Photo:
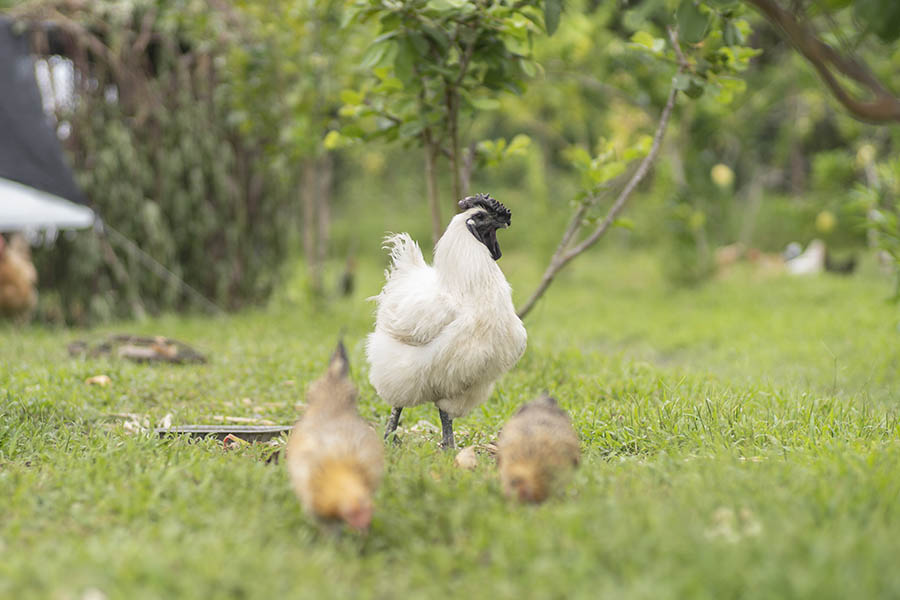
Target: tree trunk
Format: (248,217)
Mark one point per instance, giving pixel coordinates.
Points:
(309,191)
(437,227)
(453,129)
(323,204)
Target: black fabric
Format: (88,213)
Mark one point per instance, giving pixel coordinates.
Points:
(30,153)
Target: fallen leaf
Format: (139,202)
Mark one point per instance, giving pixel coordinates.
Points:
(164,350)
(134,427)
(466,458)
(101,380)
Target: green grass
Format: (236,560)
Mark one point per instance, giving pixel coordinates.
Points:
(740,440)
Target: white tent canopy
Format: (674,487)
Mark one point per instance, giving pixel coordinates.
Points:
(25,208)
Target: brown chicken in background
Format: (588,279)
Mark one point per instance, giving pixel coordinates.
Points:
(538,448)
(335,459)
(18,279)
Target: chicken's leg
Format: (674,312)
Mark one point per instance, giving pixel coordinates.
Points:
(393,422)
(447,442)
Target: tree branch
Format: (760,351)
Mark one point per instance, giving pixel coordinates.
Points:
(563,255)
(883,108)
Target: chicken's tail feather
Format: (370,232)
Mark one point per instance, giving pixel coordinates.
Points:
(405,253)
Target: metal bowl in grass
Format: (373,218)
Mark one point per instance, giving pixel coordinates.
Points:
(248,433)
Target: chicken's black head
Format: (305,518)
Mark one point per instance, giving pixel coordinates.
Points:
(484,223)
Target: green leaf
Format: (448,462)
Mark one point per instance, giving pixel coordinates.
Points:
(390,84)
(411,129)
(692,23)
(732,35)
(351,97)
(529,67)
(604,172)
(578,156)
(681,81)
(440,5)
(518,145)
(645,40)
(405,60)
(373,56)
(437,35)
(624,223)
(482,103)
(332,140)
(552,11)
(640,148)
(696,88)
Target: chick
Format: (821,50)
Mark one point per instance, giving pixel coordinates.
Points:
(537,449)
(18,279)
(334,458)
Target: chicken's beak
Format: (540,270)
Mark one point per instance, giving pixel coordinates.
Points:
(360,517)
(492,245)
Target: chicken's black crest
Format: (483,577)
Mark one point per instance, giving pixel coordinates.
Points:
(489,204)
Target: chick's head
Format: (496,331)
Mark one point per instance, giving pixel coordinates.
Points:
(525,480)
(342,492)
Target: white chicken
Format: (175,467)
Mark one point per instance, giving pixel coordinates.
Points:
(445,333)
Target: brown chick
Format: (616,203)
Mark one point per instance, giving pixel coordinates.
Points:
(334,458)
(537,449)
(18,279)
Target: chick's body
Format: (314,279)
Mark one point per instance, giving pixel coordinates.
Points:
(445,332)
(537,450)
(334,458)
(18,279)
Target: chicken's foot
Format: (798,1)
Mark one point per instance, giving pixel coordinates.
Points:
(393,422)
(447,442)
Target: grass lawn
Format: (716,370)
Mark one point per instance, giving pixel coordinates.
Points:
(740,440)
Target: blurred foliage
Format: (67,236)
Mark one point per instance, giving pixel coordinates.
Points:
(194,144)
(879,198)
(185,133)
(433,65)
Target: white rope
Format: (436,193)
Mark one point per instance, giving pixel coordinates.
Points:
(154,265)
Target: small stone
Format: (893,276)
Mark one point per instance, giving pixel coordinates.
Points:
(101,380)
(466,458)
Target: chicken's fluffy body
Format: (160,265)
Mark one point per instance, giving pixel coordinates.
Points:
(444,333)
(335,459)
(536,450)
(18,279)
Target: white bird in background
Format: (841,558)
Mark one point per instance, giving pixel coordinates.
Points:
(810,262)
(445,333)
